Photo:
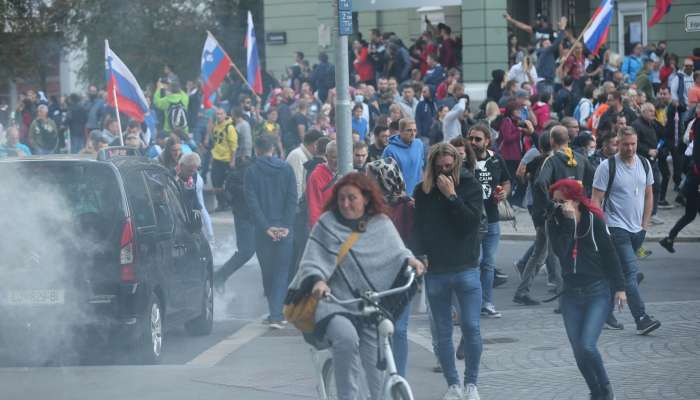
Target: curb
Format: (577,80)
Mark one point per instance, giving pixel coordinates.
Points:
(521,237)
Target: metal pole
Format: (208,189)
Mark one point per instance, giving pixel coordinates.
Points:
(116,107)
(343,122)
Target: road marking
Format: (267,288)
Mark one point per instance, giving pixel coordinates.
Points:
(224,348)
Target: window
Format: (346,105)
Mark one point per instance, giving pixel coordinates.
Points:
(175,203)
(632,25)
(137,194)
(157,184)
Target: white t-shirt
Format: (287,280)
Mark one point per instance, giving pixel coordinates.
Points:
(625,205)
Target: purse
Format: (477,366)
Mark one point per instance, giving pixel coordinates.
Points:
(506,213)
(302,313)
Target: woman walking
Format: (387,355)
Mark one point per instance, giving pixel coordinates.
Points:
(590,270)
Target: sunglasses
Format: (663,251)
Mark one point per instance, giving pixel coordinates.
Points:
(475,139)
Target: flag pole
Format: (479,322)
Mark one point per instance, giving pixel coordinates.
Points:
(238,71)
(116,103)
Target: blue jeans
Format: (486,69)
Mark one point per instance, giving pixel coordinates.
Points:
(275,262)
(467,286)
(399,343)
(489,247)
(584,312)
(626,246)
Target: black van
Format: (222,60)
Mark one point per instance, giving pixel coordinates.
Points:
(99,248)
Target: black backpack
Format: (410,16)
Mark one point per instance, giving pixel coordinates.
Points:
(177,116)
(611,176)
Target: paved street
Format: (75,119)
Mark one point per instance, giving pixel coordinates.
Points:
(526,354)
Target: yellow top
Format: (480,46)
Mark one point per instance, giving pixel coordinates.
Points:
(224,140)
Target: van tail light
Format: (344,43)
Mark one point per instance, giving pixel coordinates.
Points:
(126,253)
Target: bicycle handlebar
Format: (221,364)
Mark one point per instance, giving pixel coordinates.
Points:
(374,296)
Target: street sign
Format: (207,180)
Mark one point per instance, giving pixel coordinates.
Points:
(345,27)
(692,22)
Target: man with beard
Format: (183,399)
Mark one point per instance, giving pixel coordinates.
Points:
(492,173)
(381,140)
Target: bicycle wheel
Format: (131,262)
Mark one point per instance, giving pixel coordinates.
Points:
(401,391)
(328,374)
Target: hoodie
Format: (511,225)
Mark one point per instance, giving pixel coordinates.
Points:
(270,193)
(409,157)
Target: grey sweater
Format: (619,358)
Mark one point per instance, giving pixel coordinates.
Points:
(373,263)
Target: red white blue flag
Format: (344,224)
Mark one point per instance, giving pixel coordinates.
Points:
(215,65)
(122,87)
(662,8)
(597,32)
(252,61)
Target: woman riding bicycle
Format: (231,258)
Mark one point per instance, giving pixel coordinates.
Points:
(373,262)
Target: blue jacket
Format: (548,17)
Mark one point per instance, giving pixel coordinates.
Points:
(270,193)
(409,158)
(631,67)
(425,114)
(434,76)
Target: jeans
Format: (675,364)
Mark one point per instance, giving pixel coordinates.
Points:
(399,344)
(626,245)
(219,170)
(275,261)
(584,312)
(245,241)
(542,250)
(489,247)
(352,351)
(467,286)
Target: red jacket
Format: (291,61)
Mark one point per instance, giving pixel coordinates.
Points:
(363,67)
(509,141)
(319,188)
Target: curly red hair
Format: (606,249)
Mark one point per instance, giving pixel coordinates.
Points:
(572,189)
(369,189)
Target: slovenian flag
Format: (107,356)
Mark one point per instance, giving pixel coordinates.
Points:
(122,87)
(252,61)
(215,65)
(662,8)
(597,32)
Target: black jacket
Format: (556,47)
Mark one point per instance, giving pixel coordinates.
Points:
(447,231)
(595,253)
(271,193)
(647,135)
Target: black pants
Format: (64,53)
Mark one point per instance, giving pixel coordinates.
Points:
(245,241)
(517,194)
(219,170)
(692,205)
(665,173)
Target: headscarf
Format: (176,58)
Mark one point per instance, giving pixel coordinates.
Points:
(388,175)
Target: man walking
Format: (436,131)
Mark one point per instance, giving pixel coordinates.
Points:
(271,195)
(223,153)
(408,152)
(623,188)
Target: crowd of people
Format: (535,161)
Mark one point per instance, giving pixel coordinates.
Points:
(591,145)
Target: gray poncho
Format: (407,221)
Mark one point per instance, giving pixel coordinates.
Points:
(377,258)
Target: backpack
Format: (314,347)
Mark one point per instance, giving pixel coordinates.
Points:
(611,176)
(577,110)
(177,116)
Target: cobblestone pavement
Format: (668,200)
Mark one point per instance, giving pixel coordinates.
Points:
(527,355)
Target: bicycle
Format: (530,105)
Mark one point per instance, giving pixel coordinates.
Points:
(395,387)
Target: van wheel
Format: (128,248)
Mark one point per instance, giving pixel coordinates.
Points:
(149,348)
(203,324)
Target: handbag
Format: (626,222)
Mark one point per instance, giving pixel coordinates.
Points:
(506,213)
(302,313)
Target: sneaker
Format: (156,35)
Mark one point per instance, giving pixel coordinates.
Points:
(647,324)
(277,324)
(454,392)
(663,204)
(613,324)
(643,253)
(525,300)
(519,268)
(498,273)
(498,281)
(489,310)
(656,220)
(437,368)
(551,284)
(460,349)
(470,392)
(667,243)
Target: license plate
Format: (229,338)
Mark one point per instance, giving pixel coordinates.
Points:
(33,297)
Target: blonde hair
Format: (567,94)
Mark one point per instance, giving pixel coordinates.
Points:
(492,110)
(436,151)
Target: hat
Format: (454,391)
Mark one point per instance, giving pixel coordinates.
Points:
(521,93)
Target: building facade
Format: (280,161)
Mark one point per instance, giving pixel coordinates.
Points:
(308,26)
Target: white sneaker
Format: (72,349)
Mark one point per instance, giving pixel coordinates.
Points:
(454,392)
(470,392)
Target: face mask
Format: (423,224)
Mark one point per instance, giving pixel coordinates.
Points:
(591,152)
(359,98)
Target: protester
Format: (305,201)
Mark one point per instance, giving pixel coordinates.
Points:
(381,140)
(449,203)
(192,189)
(223,152)
(320,183)
(12,146)
(172,101)
(271,196)
(408,152)
(43,133)
(359,156)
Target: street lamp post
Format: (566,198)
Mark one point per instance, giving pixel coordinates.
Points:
(343,123)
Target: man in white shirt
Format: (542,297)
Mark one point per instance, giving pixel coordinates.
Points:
(299,156)
(523,71)
(627,199)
